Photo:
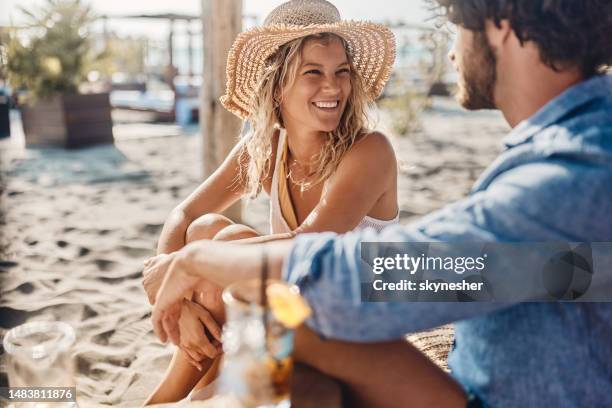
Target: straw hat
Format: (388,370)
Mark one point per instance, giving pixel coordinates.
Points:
(372,47)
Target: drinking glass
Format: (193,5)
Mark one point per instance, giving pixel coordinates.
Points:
(39,354)
(257,363)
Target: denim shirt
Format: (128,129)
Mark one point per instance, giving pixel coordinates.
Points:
(552,183)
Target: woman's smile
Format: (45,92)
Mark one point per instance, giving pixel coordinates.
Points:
(327,106)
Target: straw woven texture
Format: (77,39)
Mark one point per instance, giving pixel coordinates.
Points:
(435,344)
(372,47)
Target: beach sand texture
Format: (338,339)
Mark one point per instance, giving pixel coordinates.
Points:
(76,226)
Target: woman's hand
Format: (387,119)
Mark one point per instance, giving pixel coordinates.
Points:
(176,284)
(153,274)
(209,266)
(194,342)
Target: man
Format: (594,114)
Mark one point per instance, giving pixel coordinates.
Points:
(541,64)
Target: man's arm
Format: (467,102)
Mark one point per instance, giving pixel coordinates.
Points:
(326,269)
(514,208)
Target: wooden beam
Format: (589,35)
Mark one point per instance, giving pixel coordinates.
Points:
(221,23)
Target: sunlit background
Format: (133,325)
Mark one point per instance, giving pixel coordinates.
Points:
(156,31)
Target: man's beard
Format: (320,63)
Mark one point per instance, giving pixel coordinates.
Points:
(478,76)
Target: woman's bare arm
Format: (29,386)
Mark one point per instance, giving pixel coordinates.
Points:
(219,191)
(223,188)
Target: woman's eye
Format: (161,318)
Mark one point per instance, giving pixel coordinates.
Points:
(344,71)
(312,72)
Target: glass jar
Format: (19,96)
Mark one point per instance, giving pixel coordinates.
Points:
(257,364)
(39,354)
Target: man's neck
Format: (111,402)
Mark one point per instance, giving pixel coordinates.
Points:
(521,95)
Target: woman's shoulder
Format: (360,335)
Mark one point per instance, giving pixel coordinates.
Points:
(374,139)
(371,159)
(373,147)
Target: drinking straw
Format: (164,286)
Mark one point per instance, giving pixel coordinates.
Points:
(263,293)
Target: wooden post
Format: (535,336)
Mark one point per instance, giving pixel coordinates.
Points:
(171,45)
(171,70)
(190,51)
(221,23)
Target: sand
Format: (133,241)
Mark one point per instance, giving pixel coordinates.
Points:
(76,226)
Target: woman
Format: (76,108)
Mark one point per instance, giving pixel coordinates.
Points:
(304,82)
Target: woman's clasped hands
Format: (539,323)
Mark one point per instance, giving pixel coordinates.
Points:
(192,326)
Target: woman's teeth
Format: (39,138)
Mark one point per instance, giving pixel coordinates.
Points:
(327,105)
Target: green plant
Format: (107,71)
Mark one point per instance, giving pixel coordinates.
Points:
(52,53)
(128,55)
(403,108)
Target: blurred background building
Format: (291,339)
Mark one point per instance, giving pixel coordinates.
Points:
(154,50)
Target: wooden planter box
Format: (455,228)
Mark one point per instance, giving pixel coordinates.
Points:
(70,121)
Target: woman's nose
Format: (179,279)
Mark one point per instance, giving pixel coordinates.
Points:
(331,84)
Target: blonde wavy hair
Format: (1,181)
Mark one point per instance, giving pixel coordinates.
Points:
(265,119)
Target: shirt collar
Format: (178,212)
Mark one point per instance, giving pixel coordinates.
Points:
(555,109)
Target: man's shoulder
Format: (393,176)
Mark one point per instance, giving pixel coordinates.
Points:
(591,117)
(577,143)
(570,197)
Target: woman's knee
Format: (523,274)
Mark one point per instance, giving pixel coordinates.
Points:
(234,232)
(206,227)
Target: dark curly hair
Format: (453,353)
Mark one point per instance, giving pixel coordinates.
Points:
(568,33)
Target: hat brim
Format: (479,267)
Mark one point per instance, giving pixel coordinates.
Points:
(371,45)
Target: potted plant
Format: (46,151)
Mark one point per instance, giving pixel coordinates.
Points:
(50,58)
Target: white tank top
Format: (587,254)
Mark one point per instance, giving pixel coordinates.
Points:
(277,221)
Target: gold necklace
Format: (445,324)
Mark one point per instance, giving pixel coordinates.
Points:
(305,183)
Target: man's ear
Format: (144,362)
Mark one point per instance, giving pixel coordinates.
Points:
(498,35)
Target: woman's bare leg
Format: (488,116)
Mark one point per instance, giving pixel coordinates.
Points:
(181,376)
(211,373)
(234,232)
(179,380)
(229,233)
(206,227)
(389,374)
